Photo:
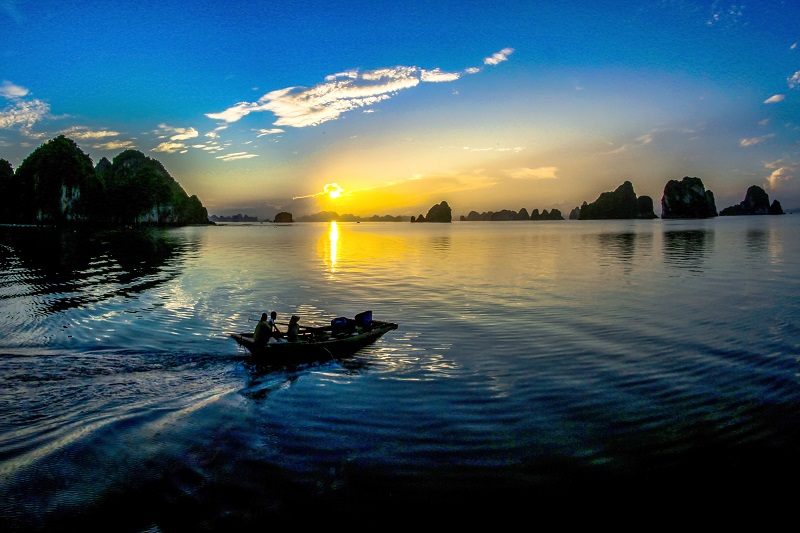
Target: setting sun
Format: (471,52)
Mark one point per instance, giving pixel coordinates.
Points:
(333,190)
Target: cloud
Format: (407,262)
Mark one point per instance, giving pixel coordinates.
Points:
(783,172)
(775,99)
(9,90)
(499,57)
(23,114)
(235,156)
(437,75)
(794,80)
(169,147)
(300,107)
(272,131)
(174,133)
(541,173)
(115,145)
(515,149)
(83,132)
(752,141)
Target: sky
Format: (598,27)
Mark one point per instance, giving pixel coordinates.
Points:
(388,108)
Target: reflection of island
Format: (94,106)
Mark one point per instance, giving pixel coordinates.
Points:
(687,248)
(76,268)
(622,247)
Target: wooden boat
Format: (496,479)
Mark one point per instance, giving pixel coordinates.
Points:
(343,338)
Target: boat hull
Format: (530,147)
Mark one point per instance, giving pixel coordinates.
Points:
(321,345)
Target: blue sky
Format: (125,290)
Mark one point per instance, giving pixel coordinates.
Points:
(260,107)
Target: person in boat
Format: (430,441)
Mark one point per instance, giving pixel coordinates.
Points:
(273,329)
(263,330)
(293,332)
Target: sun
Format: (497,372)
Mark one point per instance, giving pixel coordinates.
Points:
(333,190)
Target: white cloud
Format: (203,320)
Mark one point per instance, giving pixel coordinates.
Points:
(23,114)
(174,133)
(775,99)
(184,134)
(272,131)
(752,141)
(541,173)
(9,90)
(783,172)
(82,132)
(499,57)
(115,145)
(437,75)
(235,156)
(794,80)
(169,147)
(300,107)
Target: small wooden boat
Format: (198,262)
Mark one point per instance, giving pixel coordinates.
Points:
(342,338)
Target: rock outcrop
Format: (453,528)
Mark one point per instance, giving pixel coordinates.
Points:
(687,198)
(756,202)
(620,204)
(283,216)
(438,213)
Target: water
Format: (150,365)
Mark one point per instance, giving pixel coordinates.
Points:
(536,363)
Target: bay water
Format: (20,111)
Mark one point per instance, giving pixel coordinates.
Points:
(535,364)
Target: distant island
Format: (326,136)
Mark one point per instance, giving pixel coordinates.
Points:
(687,198)
(58,185)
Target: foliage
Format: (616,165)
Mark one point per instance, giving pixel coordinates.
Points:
(8,191)
(57,183)
(51,181)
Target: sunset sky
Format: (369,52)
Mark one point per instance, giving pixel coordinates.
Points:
(391,107)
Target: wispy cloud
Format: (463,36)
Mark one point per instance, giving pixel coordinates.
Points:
(9,90)
(273,131)
(235,156)
(541,173)
(169,147)
(775,99)
(515,149)
(21,113)
(725,13)
(83,132)
(300,107)
(794,80)
(114,145)
(752,141)
(499,57)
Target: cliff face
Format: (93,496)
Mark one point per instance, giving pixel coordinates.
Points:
(687,198)
(756,202)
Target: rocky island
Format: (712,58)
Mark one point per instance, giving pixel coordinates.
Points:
(756,202)
(58,185)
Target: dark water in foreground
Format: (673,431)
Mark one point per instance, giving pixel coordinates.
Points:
(537,365)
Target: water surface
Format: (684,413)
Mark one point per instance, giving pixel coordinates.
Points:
(535,362)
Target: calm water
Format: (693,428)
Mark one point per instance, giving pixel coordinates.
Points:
(535,362)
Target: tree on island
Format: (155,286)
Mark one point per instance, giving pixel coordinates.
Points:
(57,184)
